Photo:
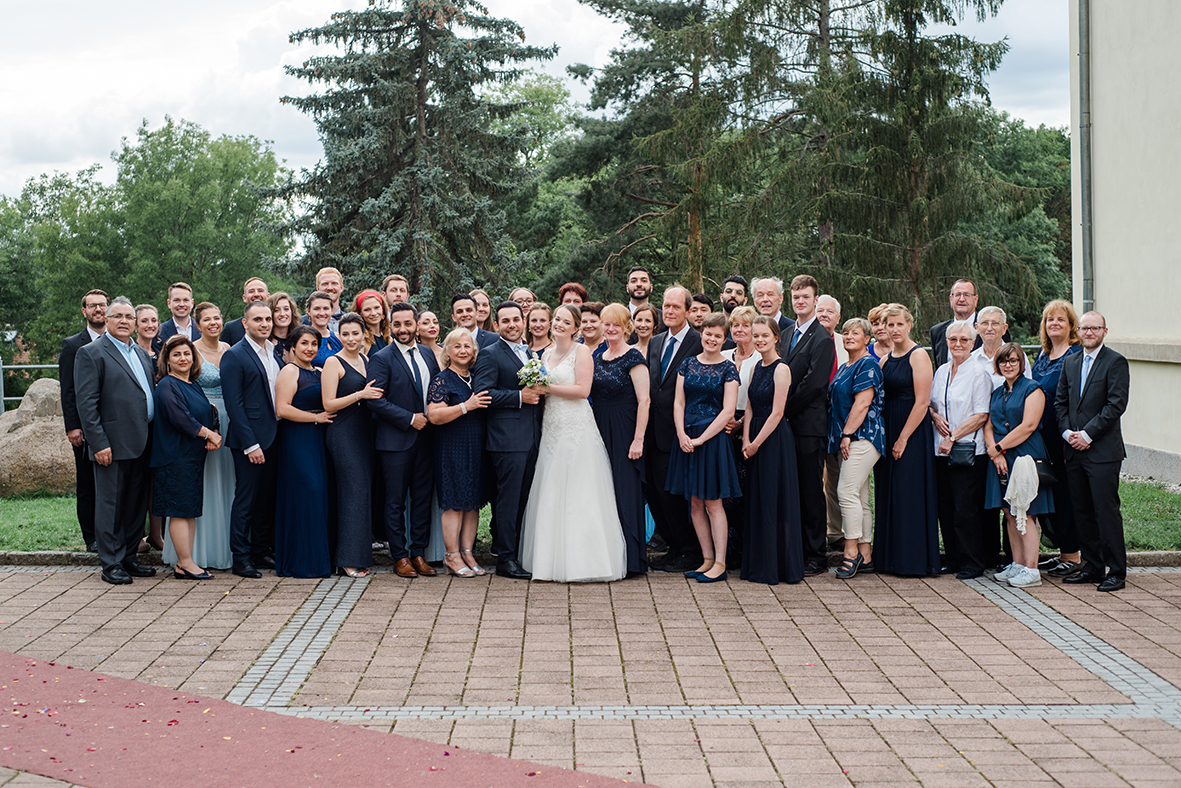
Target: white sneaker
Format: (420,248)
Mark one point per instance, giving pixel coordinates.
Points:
(1025,577)
(1004,575)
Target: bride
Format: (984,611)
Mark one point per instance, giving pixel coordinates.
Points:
(571,529)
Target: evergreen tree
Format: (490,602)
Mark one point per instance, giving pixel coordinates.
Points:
(413,170)
(915,173)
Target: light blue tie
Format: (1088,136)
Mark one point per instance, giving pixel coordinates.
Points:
(1086,371)
(794,339)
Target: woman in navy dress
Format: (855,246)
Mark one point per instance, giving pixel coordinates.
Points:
(301,508)
(703,470)
(285,319)
(619,399)
(1011,432)
(182,437)
(773,547)
(455,408)
(907,538)
(343,384)
(1059,336)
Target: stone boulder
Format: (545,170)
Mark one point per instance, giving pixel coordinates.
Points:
(34,452)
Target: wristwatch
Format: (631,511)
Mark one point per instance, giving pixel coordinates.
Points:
(849,435)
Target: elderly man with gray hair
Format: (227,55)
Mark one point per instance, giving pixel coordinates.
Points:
(113,382)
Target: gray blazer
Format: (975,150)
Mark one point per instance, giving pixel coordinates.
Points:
(111,405)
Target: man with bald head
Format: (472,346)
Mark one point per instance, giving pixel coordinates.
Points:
(1091,397)
(666,351)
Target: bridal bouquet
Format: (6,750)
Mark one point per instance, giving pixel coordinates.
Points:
(533,373)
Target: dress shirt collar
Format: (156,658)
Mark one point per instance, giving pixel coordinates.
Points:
(123,346)
(680,335)
(1093,353)
(778,316)
(405,348)
(93,334)
(803,327)
(260,349)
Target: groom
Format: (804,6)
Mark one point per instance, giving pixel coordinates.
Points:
(513,432)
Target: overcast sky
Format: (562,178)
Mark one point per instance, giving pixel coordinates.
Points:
(79,76)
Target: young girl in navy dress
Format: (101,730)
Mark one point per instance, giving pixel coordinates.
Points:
(703,470)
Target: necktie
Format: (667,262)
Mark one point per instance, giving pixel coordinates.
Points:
(794,339)
(1086,371)
(669,350)
(417,375)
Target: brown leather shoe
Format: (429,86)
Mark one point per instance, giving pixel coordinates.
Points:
(422,567)
(403,568)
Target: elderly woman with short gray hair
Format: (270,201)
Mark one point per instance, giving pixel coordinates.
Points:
(960,395)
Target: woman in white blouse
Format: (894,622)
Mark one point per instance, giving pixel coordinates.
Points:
(960,394)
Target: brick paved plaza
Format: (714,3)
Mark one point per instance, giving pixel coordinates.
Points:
(879,681)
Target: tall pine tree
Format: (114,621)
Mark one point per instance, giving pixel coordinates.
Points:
(413,170)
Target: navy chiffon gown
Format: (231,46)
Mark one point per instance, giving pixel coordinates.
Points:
(613,400)
(906,539)
(301,508)
(773,547)
(350,445)
(709,472)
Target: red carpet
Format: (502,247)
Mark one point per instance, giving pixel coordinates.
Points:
(96,730)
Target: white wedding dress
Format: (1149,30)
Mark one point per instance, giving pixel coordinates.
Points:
(571,531)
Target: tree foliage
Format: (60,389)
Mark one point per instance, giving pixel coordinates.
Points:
(414,165)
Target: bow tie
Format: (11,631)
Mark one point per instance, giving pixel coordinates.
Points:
(522,349)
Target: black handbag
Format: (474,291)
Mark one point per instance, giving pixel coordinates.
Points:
(963,455)
(1045,474)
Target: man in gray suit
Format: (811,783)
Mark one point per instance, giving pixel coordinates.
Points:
(113,384)
(1092,395)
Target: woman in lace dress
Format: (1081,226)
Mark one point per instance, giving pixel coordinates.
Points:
(571,530)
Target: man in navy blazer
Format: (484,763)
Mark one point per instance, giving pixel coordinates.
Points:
(463,315)
(1091,397)
(670,512)
(405,439)
(180,303)
(113,383)
(767,293)
(249,370)
(809,351)
(513,433)
(94,310)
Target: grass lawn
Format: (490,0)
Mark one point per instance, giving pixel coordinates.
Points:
(1152,521)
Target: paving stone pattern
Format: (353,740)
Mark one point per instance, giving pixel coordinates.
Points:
(872,682)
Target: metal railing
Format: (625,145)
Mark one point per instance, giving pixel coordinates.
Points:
(4,368)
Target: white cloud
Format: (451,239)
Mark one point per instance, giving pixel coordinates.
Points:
(71,96)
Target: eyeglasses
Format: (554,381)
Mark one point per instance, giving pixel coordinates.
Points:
(94,306)
(991,323)
(129,318)
(963,295)
(1007,362)
(1090,329)
(958,340)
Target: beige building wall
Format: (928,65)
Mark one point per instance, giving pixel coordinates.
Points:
(1136,192)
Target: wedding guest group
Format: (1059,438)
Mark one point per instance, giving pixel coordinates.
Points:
(701,434)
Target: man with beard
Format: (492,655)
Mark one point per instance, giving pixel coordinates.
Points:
(405,440)
(733,293)
(513,428)
(94,310)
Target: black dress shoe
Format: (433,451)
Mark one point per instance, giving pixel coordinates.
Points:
(1085,576)
(116,575)
(136,569)
(92,547)
(246,569)
(264,561)
(814,567)
(512,569)
(968,574)
(1112,583)
(1066,569)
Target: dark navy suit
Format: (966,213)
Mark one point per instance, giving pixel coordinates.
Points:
(83,471)
(513,436)
(407,454)
(167,330)
(251,413)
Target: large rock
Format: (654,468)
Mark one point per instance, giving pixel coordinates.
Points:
(34,452)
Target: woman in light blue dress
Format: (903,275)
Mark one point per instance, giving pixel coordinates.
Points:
(211,539)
